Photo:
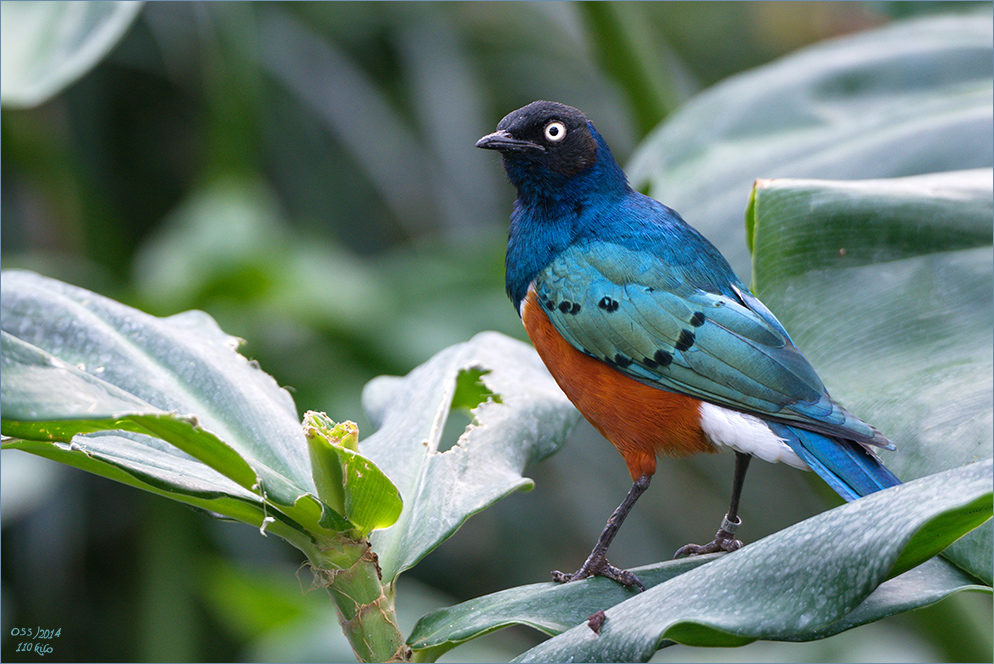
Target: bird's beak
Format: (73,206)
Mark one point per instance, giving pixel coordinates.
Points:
(503,141)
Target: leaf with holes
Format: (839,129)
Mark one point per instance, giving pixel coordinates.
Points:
(519,415)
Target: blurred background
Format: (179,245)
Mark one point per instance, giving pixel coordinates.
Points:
(305,173)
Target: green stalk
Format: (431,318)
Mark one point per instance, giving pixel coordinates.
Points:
(348,568)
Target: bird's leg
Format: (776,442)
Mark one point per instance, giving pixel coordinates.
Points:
(596,563)
(724,539)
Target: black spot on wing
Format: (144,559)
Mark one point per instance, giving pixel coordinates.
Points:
(622,361)
(661,358)
(697,319)
(608,304)
(571,308)
(685,341)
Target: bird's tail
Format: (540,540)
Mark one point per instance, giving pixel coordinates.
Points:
(851,469)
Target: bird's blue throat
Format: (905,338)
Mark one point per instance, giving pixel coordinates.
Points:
(554,210)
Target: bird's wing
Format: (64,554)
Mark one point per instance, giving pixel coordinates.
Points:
(648,321)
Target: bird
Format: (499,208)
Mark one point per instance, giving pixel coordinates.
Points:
(651,335)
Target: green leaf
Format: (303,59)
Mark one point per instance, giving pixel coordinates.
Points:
(151,464)
(551,608)
(886,287)
(796,584)
(471,391)
(75,362)
(524,418)
(46,398)
(346,480)
(46,46)
(910,98)
(554,608)
(323,436)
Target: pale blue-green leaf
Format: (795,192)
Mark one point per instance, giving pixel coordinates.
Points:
(46,46)
(551,608)
(793,585)
(198,392)
(554,608)
(47,399)
(886,285)
(525,418)
(151,464)
(909,98)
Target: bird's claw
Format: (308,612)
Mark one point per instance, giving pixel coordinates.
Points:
(717,544)
(599,566)
(724,540)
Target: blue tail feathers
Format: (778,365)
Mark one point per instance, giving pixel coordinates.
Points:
(848,467)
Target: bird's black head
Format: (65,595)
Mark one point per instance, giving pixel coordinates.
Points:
(547,134)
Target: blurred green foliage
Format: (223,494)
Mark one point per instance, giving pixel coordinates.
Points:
(305,173)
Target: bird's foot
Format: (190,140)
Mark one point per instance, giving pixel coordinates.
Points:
(724,540)
(599,566)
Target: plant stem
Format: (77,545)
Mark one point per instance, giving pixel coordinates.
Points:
(348,568)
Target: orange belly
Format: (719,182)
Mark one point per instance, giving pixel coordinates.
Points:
(637,419)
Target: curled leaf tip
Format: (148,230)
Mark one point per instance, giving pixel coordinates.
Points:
(318,426)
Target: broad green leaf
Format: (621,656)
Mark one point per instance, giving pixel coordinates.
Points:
(551,608)
(151,464)
(45,398)
(46,46)
(886,287)
(930,582)
(910,98)
(554,608)
(178,378)
(523,417)
(797,584)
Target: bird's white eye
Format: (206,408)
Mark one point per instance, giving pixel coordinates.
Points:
(555,131)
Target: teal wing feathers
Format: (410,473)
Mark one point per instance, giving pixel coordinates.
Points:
(717,343)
